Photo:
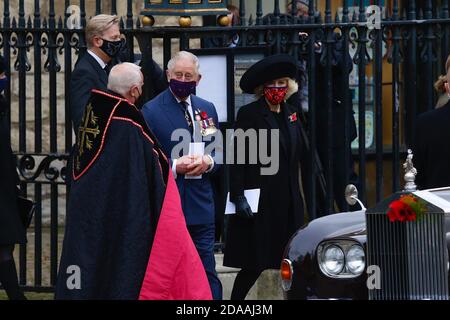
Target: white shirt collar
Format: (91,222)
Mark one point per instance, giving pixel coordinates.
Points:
(98,59)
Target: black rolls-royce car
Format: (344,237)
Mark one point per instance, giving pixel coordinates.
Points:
(365,255)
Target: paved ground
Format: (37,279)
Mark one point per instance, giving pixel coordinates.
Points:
(267,287)
(30,296)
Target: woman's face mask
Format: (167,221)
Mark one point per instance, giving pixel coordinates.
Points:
(275,95)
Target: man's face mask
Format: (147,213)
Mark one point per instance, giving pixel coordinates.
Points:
(138,102)
(3,83)
(112,48)
(275,95)
(182,89)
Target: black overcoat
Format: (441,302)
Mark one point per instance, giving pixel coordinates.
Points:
(117,190)
(431,148)
(258,244)
(12,230)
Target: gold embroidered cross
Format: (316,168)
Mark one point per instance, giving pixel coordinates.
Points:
(88,127)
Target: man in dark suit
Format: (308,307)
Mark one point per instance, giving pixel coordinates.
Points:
(178,112)
(341,67)
(339,148)
(104,42)
(106,48)
(431,148)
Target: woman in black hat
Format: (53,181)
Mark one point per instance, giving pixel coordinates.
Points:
(255,241)
(12,230)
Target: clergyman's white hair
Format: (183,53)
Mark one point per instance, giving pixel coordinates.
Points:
(183,55)
(123,77)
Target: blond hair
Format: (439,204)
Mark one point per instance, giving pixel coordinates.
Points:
(439,85)
(292,88)
(97,26)
(447,64)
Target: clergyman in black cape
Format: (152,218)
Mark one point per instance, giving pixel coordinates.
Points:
(126,236)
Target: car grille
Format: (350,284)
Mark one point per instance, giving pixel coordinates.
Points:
(412,257)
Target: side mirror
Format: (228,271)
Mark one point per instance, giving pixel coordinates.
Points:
(351,196)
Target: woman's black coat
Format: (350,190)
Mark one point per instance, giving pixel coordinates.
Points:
(11,228)
(258,243)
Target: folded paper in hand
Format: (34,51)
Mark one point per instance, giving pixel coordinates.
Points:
(252,199)
(196,149)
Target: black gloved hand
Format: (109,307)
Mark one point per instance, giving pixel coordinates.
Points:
(243,209)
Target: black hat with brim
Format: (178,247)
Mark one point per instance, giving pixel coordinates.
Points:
(271,68)
(303,2)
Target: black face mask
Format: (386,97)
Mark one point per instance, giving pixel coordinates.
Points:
(139,103)
(112,48)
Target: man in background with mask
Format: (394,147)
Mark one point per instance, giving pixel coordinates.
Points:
(341,67)
(178,114)
(125,228)
(104,42)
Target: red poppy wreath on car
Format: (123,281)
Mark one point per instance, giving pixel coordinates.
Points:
(407,208)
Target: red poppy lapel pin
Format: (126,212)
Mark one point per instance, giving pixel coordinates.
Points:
(200,115)
(207,125)
(293,117)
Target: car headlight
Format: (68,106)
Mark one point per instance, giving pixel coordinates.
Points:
(333,260)
(343,259)
(356,260)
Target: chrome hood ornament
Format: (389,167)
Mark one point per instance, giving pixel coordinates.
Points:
(410,173)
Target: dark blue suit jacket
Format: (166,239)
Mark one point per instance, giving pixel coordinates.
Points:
(87,75)
(164,115)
